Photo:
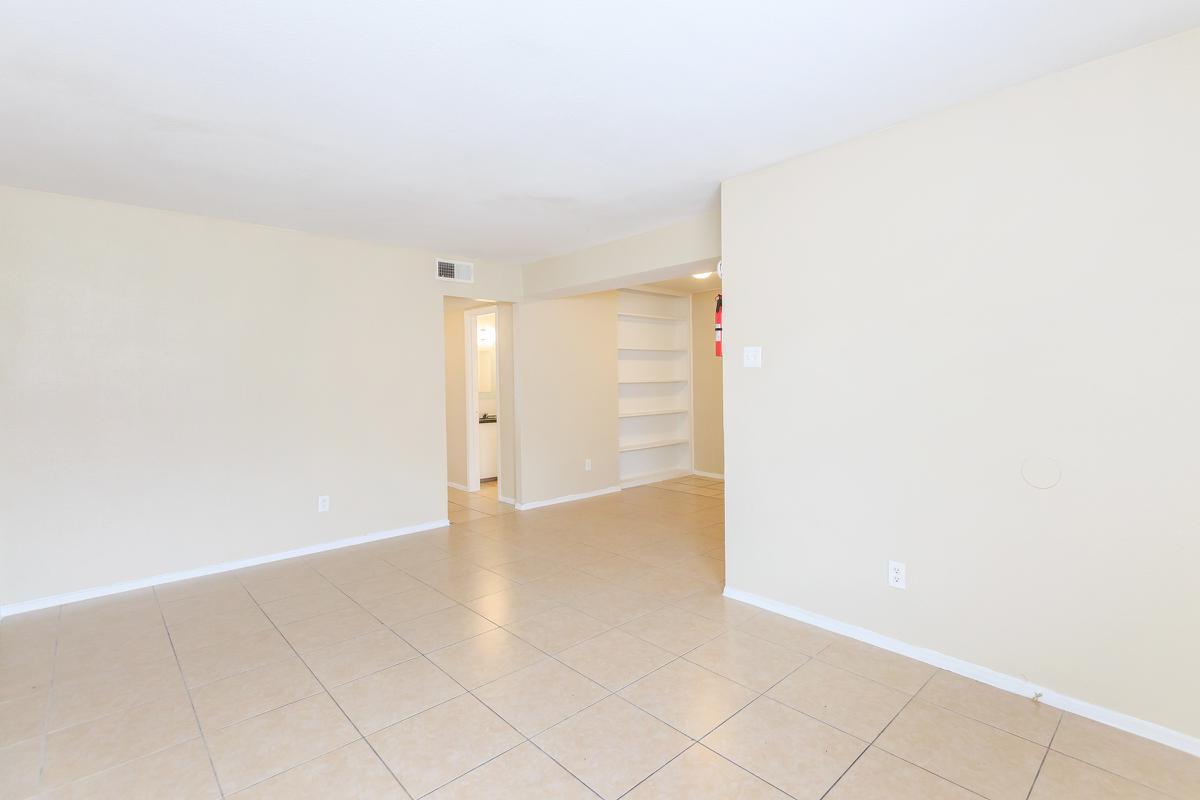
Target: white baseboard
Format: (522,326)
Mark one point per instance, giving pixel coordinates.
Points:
(1009,683)
(171,577)
(718,476)
(458,486)
(567,498)
(508,500)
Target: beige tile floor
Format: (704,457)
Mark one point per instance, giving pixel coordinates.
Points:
(575,651)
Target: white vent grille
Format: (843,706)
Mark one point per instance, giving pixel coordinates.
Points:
(458,271)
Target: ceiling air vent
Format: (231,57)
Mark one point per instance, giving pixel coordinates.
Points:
(459,271)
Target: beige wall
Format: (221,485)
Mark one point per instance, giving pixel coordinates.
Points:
(456,393)
(708,434)
(567,395)
(625,262)
(507,401)
(1013,278)
(177,391)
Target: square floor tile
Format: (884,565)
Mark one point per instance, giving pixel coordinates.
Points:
(1021,716)
(472,585)
(612,745)
(442,628)
(978,757)
(504,608)
(881,666)
(285,580)
(674,630)
(181,772)
(383,698)
(670,587)
(527,569)
(210,629)
(23,717)
(615,659)
(746,659)
(438,745)
(523,773)
(717,606)
(309,604)
(616,605)
(266,745)
(881,776)
(208,664)
(790,634)
(486,657)
(229,598)
(394,609)
(689,698)
(848,702)
(76,752)
(345,661)
(701,774)
(317,632)
(1065,778)
(1160,767)
(96,695)
(790,750)
(19,764)
(540,696)
(353,771)
(247,694)
(362,591)
(557,629)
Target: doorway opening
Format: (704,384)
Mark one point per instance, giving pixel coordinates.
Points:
(478,418)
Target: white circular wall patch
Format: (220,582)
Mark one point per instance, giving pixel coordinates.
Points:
(1041,472)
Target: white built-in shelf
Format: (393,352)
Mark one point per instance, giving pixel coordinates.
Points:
(628,448)
(657,380)
(656,349)
(664,412)
(656,317)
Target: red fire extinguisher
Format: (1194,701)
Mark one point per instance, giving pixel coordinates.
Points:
(718,326)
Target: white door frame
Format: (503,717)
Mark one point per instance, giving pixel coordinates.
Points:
(471,322)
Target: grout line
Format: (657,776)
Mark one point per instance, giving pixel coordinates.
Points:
(191,701)
(49,700)
(1045,755)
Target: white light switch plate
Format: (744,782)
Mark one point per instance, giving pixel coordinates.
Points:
(752,357)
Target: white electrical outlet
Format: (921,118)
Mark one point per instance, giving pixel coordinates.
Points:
(323,503)
(587,465)
(752,357)
(897,575)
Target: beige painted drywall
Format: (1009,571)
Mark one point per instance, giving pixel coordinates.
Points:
(1015,278)
(567,395)
(456,392)
(638,259)
(506,422)
(708,434)
(176,391)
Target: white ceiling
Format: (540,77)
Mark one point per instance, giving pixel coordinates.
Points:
(687,284)
(507,130)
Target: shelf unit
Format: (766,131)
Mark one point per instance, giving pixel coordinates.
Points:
(654,385)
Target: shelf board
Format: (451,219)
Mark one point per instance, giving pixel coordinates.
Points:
(656,317)
(629,448)
(655,349)
(657,380)
(630,414)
